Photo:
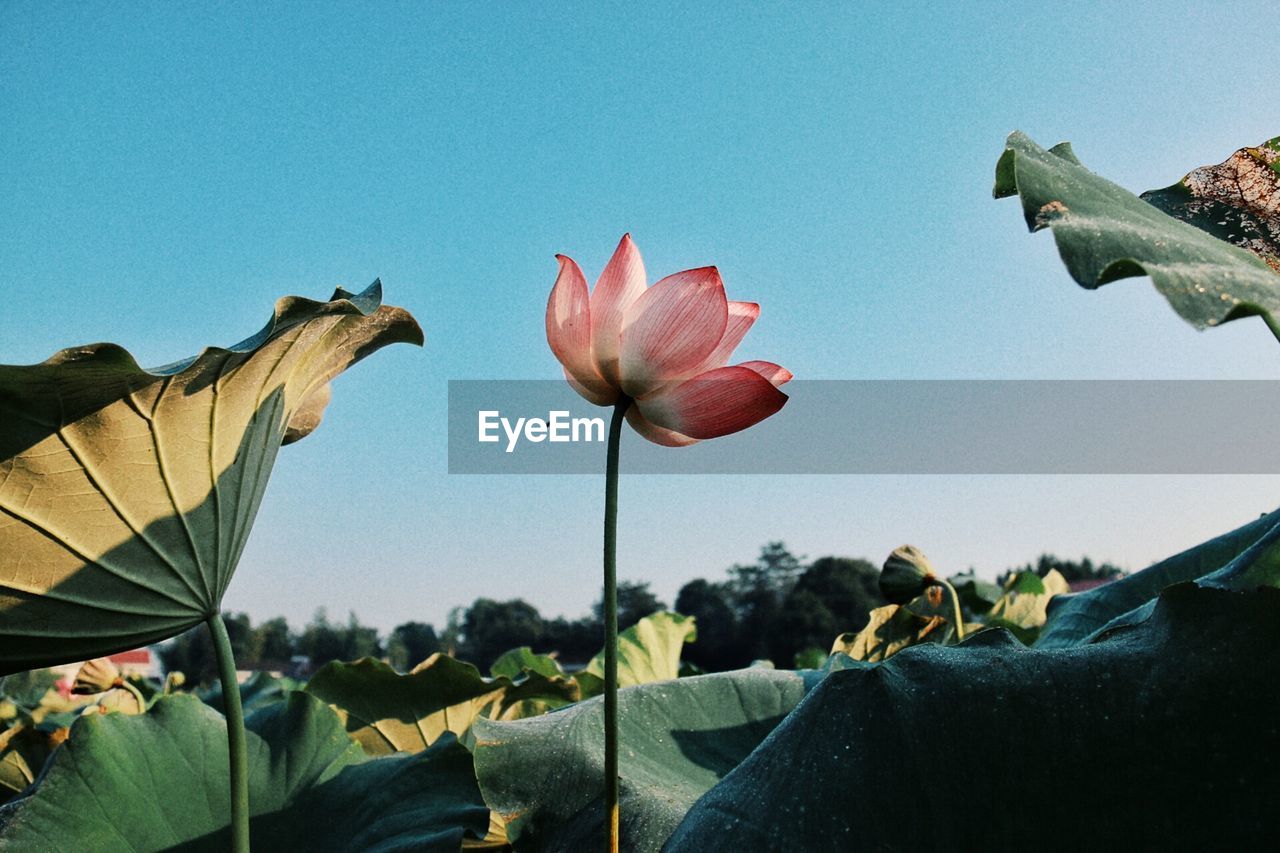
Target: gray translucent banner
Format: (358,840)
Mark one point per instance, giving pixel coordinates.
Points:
(897,427)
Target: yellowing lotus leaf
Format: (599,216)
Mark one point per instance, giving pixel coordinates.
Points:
(126,495)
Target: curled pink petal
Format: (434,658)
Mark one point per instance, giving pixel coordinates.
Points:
(569,331)
(671,329)
(620,285)
(718,402)
(775,373)
(741,316)
(655,433)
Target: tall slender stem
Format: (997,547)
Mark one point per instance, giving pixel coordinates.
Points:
(955,608)
(237,747)
(611,625)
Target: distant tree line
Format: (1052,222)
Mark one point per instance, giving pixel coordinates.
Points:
(1071,570)
(777,608)
(272,645)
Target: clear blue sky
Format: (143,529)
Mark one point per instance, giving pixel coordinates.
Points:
(167,173)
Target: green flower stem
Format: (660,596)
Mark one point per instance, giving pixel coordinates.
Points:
(237,747)
(611,625)
(125,684)
(955,608)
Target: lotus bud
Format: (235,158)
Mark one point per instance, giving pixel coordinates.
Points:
(906,574)
(96,676)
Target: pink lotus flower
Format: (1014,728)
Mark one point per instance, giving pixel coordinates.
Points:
(666,347)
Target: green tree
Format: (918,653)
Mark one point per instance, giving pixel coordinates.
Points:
(410,644)
(323,641)
(490,628)
(711,604)
(758,590)
(635,601)
(273,644)
(361,641)
(833,595)
(452,635)
(849,588)
(240,632)
(775,570)
(802,622)
(575,641)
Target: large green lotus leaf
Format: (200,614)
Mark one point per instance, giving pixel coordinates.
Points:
(1105,233)
(1072,618)
(647,651)
(533,694)
(27,689)
(256,692)
(545,775)
(976,595)
(1257,566)
(1157,733)
(385,711)
(159,782)
(515,662)
(126,495)
(23,750)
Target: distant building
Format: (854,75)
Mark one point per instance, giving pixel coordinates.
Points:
(1088,583)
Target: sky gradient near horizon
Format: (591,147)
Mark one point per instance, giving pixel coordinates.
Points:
(167,174)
